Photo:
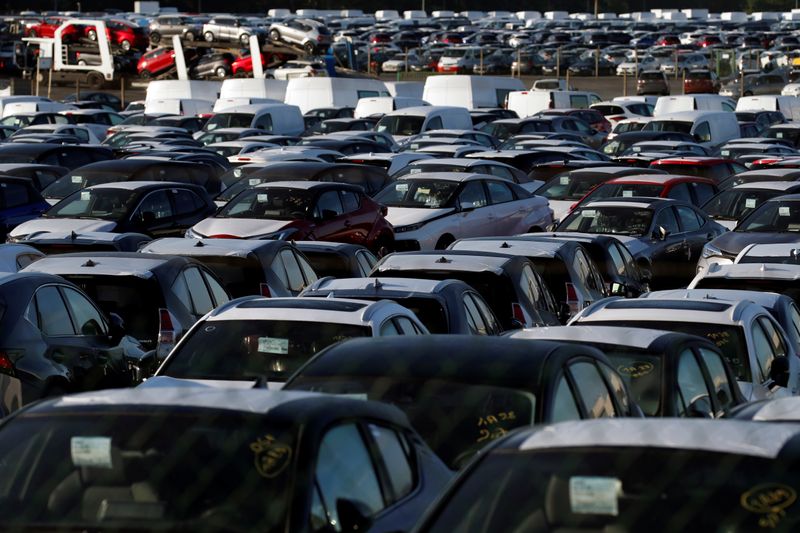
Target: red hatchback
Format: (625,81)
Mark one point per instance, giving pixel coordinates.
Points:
(690,189)
(48,26)
(712,168)
(123,34)
(155,62)
(301,210)
(244,65)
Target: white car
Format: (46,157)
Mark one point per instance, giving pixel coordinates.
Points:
(632,68)
(618,111)
(628,124)
(286,153)
(299,68)
(752,341)
(97,120)
(266,339)
(399,61)
(429,211)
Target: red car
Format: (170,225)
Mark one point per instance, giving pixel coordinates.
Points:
(48,26)
(669,40)
(691,189)
(155,62)
(701,82)
(301,210)
(244,65)
(123,34)
(713,168)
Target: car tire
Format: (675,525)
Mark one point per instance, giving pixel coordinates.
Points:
(241,73)
(155,37)
(95,80)
(92,34)
(146,74)
(310,48)
(209,37)
(244,39)
(444,241)
(190,36)
(82,62)
(221,72)
(275,35)
(126,45)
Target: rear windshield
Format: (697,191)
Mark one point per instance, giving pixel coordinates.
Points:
(568,187)
(734,204)
(229,120)
(80,179)
(241,276)
(253,349)
(455,419)
(642,373)
(716,172)
(624,190)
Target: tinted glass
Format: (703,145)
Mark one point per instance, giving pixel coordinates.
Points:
(688,218)
(14,195)
(618,220)
(395,452)
(643,374)
(53,315)
(499,192)
(294,274)
(719,378)
(87,318)
(692,388)
(593,390)
(201,298)
(564,405)
(272,204)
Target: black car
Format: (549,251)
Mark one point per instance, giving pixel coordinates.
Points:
(591,66)
(338,259)
(212,66)
(191,124)
(96,96)
(155,208)
(351,146)
(144,169)
(56,340)
(40,175)
(52,243)
(664,235)
(461,392)
(633,475)
(131,460)
(623,141)
(271,268)
(69,156)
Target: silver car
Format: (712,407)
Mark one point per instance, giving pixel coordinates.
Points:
(308,33)
(229,29)
(169,25)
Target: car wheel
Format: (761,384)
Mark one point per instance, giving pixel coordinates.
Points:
(92,34)
(275,35)
(444,241)
(190,36)
(155,37)
(221,72)
(95,80)
(209,37)
(82,62)
(310,48)
(126,45)
(245,39)
(146,74)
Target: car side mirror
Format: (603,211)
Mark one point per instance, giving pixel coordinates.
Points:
(779,371)
(661,233)
(700,408)
(564,312)
(467,206)
(353,516)
(116,328)
(618,289)
(328,214)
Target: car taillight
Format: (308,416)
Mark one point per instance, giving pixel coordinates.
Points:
(319,38)
(6,365)
(518,313)
(572,296)
(617,117)
(263,289)
(166,334)
(223,236)
(109,131)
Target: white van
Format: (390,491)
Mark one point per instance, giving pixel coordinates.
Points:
(313,93)
(254,88)
(226,103)
(527,103)
(693,102)
(469,92)
(414,120)
(191,89)
(17,107)
(411,89)
(709,128)
(177,106)
(788,105)
(385,104)
(647,99)
(279,119)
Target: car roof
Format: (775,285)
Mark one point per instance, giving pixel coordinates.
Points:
(209,247)
(769,172)
(514,246)
(613,170)
(696,310)
(769,185)
(691,160)
(128,164)
(640,202)
(455,260)
(321,310)
(445,176)
(103,264)
(141,185)
(612,335)
(381,285)
(722,436)
(313,246)
(659,179)
(307,185)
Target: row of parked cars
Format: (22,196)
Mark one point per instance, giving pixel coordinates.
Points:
(442,308)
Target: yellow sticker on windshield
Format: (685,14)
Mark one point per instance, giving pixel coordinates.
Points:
(770,500)
(271,457)
(636,369)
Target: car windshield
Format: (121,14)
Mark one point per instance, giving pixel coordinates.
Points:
(624,190)
(229,120)
(734,204)
(272,204)
(455,419)
(773,217)
(430,167)
(400,124)
(620,220)
(568,187)
(620,489)
(428,194)
(123,470)
(729,339)
(669,125)
(642,373)
(80,179)
(253,349)
(105,204)
(239,186)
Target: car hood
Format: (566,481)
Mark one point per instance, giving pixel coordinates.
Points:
(47,225)
(238,227)
(170,382)
(561,208)
(635,245)
(733,242)
(403,216)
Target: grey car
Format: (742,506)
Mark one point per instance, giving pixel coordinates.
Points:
(229,29)
(766,83)
(309,34)
(652,82)
(169,25)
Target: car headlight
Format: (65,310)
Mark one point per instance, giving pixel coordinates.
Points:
(410,227)
(710,251)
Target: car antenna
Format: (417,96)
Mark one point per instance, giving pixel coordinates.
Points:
(505,245)
(89,263)
(443,259)
(199,244)
(377,285)
(73,235)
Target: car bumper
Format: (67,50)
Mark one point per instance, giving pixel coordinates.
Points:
(704,262)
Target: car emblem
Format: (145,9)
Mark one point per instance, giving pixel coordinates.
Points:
(271,457)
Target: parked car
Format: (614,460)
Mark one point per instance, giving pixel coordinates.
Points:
(754,84)
(109,442)
(307,33)
(39,175)
(217,65)
(155,62)
(64,242)
(70,157)
(694,190)
(15,257)
(463,392)
(19,203)
(731,205)
(337,259)
(701,82)
(168,25)
(228,28)
(652,82)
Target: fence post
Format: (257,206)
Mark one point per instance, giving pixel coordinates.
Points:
(481,61)
(122,92)
(624,83)
(558,63)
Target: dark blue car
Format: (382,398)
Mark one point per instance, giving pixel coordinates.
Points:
(19,202)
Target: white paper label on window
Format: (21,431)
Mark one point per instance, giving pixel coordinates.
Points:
(589,213)
(263,198)
(627,194)
(254,181)
(750,203)
(76,179)
(237,172)
(594,495)
(273,345)
(91,451)
(86,196)
(784,211)
(401,187)
(564,180)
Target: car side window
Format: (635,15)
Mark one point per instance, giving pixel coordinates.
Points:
(329,205)
(703,132)
(472,195)
(308,270)
(14,195)
(474,318)
(344,470)
(764,350)
(198,292)
(794,318)
(280,270)
(88,320)
(264,122)
(395,453)
(666,219)
(719,378)
(529,286)
(687,218)
(499,193)
(217,291)
(616,259)
(186,202)
(564,405)
(350,201)
(680,191)
(45,177)
(500,172)
(617,387)
(405,326)
(73,158)
(492,326)
(389,328)
(51,312)
(702,192)
(593,390)
(434,124)
(692,385)
(366,261)
(774,336)
(156,203)
(293,272)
